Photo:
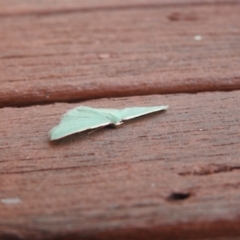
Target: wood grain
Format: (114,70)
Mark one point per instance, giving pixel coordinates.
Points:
(171,175)
(76,55)
(15,7)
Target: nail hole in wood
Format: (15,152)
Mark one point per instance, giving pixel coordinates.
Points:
(178,196)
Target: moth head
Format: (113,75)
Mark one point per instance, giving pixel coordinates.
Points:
(118,123)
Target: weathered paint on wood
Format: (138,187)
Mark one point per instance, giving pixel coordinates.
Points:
(68,56)
(171,175)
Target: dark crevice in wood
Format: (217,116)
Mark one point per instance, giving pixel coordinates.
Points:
(14,102)
(178,196)
(209,169)
(224,230)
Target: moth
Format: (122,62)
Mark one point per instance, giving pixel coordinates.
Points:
(83,118)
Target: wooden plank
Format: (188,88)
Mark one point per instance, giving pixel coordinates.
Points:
(171,175)
(135,51)
(15,7)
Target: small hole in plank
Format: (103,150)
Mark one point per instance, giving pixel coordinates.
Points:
(178,196)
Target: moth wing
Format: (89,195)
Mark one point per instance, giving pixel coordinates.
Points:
(79,113)
(78,120)
(112,114)
(130,113)
(112,111)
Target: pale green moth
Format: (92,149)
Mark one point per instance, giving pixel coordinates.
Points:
(83,118)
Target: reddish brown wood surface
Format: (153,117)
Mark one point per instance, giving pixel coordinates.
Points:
(132,50)
(171,175)
(15,7)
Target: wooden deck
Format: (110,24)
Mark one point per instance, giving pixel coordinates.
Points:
(173,175)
